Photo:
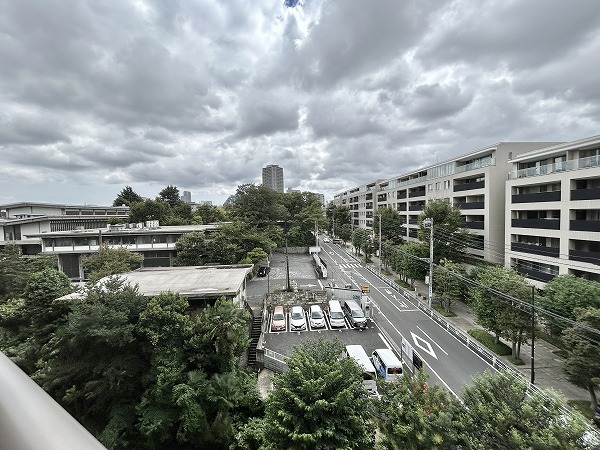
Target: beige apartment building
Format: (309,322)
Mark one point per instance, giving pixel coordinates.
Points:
(475,183)
(552,211)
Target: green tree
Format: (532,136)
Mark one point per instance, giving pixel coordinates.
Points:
(208,214)
(170,195)
(149,210)
(361,240)
(320,402)
(108,261)
(500,413)
(413,415)
(563,294)
(497,314)
(339,221)
(259,205)
(411,260)
(447,286)
(15,270)
(192,249)
(256,255)
(582,365)
(448,242)
(127,196)
(392,225)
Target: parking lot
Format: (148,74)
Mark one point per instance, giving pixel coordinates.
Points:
(303,275)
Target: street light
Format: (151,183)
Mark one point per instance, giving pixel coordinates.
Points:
(428,223)
(379,215)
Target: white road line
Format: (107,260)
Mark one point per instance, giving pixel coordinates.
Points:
(436,344)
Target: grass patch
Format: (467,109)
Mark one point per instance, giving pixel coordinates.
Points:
(403,284)
(560,353)
(488,340)
(516,361)
(583,407)
(443,312)
(554,340)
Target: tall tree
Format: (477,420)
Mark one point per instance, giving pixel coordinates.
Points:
(127,196)
(410,260)
(497,314)
(448,243)
(192,249)
(208,214)
(362,241)
(339,221)
(448,287)
(320,402)
(170,195)
(149,210)
(582,365)
(392,225)
(563,294)
(500,413)
(413,415)
(257,205)
(108,261)
(15,270)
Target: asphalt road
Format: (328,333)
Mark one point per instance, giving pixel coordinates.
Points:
(397,323)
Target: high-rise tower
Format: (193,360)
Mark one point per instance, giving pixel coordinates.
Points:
(272,176)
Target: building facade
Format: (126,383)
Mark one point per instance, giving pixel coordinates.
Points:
(552,212)
(272,176)
(474,183)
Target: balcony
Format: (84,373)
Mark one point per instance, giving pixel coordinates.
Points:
(585,194)
(584,225)
(575,164)
(416,207)
(585,257)
(369,214)
(417,193)
(369,197)
(382,197)
(413,233)
(469,186)
(543,224)
(413,221)
(536,197)
(535,274)
(401,194)
(401,206)
(474,225)
(534,249)
(471,205)
(475,165)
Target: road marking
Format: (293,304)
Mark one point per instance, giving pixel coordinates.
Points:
(432,340)
(418,340)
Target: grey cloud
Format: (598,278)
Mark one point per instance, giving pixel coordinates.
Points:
(31,130)
(433,101)
(263,112)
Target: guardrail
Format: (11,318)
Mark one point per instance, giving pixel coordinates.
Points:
(30,419)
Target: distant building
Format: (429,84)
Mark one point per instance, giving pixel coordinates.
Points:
(272,176)
(186,197)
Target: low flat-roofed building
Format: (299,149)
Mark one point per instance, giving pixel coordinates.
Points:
(201,285)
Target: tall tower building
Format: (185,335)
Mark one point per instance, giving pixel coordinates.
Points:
(272,176)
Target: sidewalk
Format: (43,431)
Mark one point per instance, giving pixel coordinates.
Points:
(548,367)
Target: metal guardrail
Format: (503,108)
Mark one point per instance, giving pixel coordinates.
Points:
(31,420)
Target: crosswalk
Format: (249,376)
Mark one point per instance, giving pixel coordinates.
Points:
(351,265)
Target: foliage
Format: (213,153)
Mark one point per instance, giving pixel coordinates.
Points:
(191,249)
(582,366)
(149,210)
(497,314)
(448,287)
(361,240)
(485,338)
(413,415)
(499,412)
(563,294)
(170,195)
(448,243)
(408,260)
(108,261)
(256,255)
(339,221)
(15,270)
(258,205)
(392,225)
(208,214)
(320,402)
(127,197)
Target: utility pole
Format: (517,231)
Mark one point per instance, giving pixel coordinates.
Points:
(333,229)
(428,223)
(532,334)
(379,242)
(316,233)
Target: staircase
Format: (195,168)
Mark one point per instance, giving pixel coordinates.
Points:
(254,337)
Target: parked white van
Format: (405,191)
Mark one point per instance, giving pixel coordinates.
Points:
(388,366)
(359,355)
(336,315)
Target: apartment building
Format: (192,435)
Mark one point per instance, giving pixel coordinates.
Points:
(272,176)
(474,183)
(552,212)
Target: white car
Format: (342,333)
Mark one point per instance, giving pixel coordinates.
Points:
(316,318)
(326,239)
(297,319)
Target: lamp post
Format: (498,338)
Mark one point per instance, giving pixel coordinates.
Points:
(428,223)
(532,334)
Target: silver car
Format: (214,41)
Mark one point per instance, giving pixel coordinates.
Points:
(297,319)
(316,318)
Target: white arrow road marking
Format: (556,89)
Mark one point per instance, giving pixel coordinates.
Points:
(388,292)
(418,340)
(436,344)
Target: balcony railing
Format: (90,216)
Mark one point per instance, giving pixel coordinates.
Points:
(474,225)
(585,257)
(544,224)
(585,194)
(553,196)
(535,274)
(584,225)
(471,205)
(416,207)
(534,249)
(475,165)
(469,186)
(574,164)
(417,193)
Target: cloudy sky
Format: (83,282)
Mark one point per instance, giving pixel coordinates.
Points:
(201,94)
